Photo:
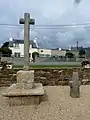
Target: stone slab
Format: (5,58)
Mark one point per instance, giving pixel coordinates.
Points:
(87,66)
(24,100)
(12,91)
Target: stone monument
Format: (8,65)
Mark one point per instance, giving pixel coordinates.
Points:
(75,86)
(25,91)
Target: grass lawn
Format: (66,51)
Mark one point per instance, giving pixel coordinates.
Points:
(47,66)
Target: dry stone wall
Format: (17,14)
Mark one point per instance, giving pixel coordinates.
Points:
(50,77)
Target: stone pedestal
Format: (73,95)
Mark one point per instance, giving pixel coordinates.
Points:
(23,100)
(25,91)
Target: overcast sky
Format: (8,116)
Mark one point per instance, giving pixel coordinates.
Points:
(48,12)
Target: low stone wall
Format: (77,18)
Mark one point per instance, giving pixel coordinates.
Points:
(61,76)
(47,76)
(7,77)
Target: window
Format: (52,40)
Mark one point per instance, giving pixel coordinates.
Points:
(41,55)
(47,55)
(41,50)
(16,45)
(17,54)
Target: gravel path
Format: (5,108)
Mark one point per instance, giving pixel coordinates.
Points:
(60,106)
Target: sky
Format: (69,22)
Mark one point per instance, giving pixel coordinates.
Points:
(48,12)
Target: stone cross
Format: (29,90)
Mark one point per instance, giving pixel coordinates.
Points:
(74,86)
(26,21)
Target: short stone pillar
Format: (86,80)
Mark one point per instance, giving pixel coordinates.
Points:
(75,86)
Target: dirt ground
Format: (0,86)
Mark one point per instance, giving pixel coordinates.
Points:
(59,106)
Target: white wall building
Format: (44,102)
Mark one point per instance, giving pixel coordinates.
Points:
(17,47)
(58,53)
(44,52)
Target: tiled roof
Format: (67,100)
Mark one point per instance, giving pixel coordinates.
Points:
(21,42)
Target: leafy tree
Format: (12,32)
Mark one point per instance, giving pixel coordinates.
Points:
(34,54)
(69,55)
(82,53)
(5,51)
(6,44)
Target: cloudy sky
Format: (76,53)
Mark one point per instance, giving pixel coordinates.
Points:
(48,12)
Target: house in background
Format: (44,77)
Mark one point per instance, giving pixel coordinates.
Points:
(58,53)
(17,47)
(44,52)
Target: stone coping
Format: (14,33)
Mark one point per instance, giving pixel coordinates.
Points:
(13,91)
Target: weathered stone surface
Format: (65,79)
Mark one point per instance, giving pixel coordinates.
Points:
(25,100)
(25,79)
(13,91)
(24,96)
(43,78)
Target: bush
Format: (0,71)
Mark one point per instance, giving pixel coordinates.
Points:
(69,55)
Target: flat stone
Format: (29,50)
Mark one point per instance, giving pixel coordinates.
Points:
(12,91)
(25,79)
(87,66)
(43,78)
(85,80)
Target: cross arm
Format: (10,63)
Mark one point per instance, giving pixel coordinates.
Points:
(21,21)
(32,21)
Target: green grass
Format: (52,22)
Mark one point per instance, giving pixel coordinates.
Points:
(51,66)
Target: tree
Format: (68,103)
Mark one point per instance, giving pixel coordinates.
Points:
(34,54)
(5,51)
(82,53)
(69,55)
(6,44)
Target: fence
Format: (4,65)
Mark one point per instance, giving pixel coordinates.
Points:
(41,60)
(49,59)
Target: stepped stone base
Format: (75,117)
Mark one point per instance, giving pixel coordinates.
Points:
(24,100)
(24,96)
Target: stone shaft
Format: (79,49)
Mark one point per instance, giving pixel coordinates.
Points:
(26,21)
(26,41)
